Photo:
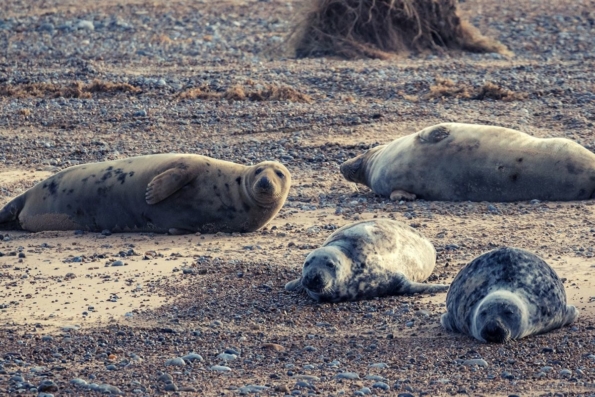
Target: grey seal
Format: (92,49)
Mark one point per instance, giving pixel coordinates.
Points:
(368,259)
(506,294)
(460,162)
(176,193)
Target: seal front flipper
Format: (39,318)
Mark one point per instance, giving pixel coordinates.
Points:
(294,285)
(9,215)
(166,184)
(397,195)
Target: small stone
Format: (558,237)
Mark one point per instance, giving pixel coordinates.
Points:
(111,367)
(252,389)
(178,362)
(220,368)
(565,372)
(364,391)
(379,365)
(117,263)
(477,361)
(86,25)
(273,346)
(192,357)
(106,232)
(227,357)
(170,387)
(310,378)
(381,385)
(165,378)
(347,375)
(47,386)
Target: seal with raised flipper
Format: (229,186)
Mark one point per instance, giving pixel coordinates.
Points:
(368,259)
(506,294)
(175,193)
(461,162)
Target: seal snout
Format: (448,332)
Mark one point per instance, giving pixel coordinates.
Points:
(495,331)
(316,281)
(264,183)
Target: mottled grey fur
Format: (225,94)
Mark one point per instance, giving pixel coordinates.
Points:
(176,193)
(460,162)
(368,259)
(505,294)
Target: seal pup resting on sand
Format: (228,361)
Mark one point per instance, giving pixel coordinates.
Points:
(505,294)
(368,259)
(175,193)
(461,162)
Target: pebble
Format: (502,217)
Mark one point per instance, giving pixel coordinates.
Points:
(364,391)
(311,378)
(252,389)
(227,357)
(177,362)
(347,375)
(192,357)
(381,385)
(375,377)
(47,386)
(220,368)
(379,365)
(117,263)
(165,378)
(477,361)
(566,372)
(170,387)
(86,25)
(79,382)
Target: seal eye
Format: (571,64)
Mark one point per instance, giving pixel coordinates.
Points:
(280,174)
(307,264)
(258,171)
(330,265)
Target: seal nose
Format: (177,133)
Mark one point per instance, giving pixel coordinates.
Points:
(315,282)
(264,183)
(494,331)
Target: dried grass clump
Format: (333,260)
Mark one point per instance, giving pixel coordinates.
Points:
(251,92)
(75,89)
(494,91)
(446,88)
(381,28)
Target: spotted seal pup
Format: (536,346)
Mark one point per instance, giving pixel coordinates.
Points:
(367,259)
(176,193)
(460,162)
(505,294)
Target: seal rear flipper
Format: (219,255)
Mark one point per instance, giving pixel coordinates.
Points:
(9,215)
(571,315)
(294,285)
(411,287)
(447,322)
(167,183)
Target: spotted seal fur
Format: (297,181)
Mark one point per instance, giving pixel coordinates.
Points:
(506,294)
(368,259)
(176,193)
(460,162)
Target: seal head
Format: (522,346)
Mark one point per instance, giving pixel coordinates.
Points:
(266,184)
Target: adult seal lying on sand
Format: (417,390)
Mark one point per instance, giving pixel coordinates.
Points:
(459,162)
(176,193)
(506,294)
(368,259)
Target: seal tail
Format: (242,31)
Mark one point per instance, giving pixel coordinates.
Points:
(9,215)
(420,288)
